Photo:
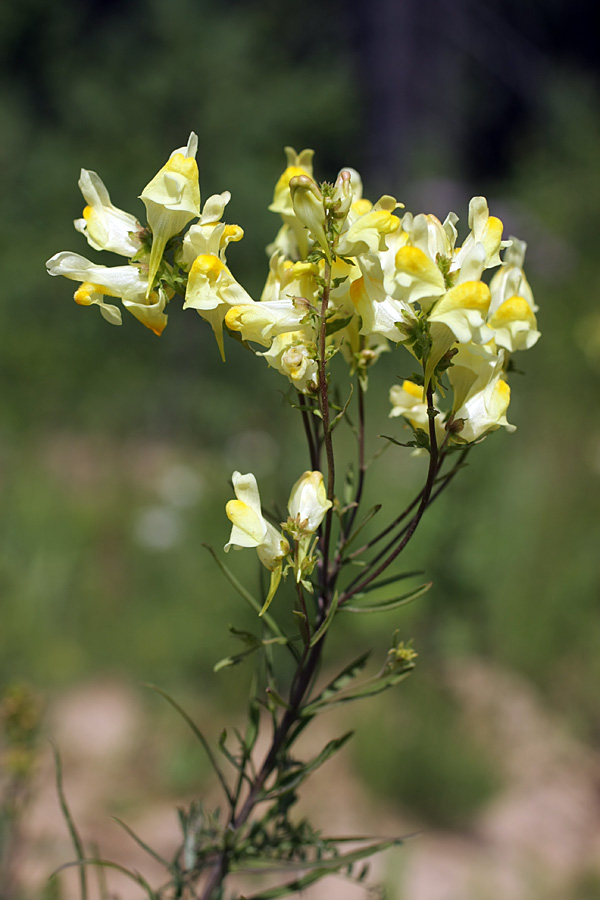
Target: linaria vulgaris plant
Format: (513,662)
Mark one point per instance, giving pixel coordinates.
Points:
(349,278)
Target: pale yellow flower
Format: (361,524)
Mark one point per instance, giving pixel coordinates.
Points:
(126,282)
(251,529)
(105,226)
(212,291)
(308,503)
(172,199)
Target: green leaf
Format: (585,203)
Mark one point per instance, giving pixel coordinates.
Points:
(290,780)
(334,325)
(321,867)
(321,630)
(256,644)
(340,415)
(340,681)
(384,582)
(247,637)
(372,512)
(77,842)
(196,731)
(107,864)
(143,845)
(276,697)
(392,440)
(387,605)
(227,753)
(246,595)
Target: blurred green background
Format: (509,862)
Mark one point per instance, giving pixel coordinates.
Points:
(116,446)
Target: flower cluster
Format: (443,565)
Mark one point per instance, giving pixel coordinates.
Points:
(307,506)
(355,275)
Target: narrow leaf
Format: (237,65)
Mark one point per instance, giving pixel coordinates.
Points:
(107,864)
(372,512)
(324,867)
(277,698)
(142,843)
(387,605)
(370,688)
(383,582)
(245,594)
(227,753)
(334,325)
(198,734)
(339,682)
(340,415)
(290,780)
(321,630)
(77,842)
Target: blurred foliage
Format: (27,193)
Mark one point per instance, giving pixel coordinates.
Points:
(101,567)
(418,757)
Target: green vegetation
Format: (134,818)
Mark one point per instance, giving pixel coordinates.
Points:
(101,564)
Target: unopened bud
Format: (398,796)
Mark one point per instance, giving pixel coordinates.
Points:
(307,201)
(343,194)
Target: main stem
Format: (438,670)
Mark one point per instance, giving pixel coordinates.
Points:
(327,441)
(309,662)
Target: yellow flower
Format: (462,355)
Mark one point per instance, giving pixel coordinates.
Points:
(172,199)
(297,164)
(212,291)
(104,225)
(126,282)
(308,503)
(294,355)
(481,396)
(251,529)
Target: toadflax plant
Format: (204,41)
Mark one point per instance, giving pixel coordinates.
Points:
(348,278)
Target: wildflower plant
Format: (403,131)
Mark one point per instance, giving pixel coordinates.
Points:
(346,278)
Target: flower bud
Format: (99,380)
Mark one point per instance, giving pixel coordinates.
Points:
(307,201)
(308,502)
(343,194)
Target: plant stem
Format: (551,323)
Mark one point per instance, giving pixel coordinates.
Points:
(327,440)
(412,526)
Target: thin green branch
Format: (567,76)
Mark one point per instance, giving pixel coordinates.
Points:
(412,526)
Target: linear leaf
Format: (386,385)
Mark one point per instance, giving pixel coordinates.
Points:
(340,415)
(387,605)
(319,633)
(321,867)
(340,681)
(372,512)
(384,582)
(246,595)
(107,864)
(77,842)
(290,780)
(143,844)
(198,734)
(334,325)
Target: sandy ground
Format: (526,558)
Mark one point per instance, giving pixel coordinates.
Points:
(535,841)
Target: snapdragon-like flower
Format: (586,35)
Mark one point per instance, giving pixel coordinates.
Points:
(105,226)
(308,504)
(367,227)
(172,199)
(292,238)
(380,313)
(512,307)
(407,401)
(294,354)
(126,282)
(210,236)
(212,291)
(307,203)
(481,395)
(251,529)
